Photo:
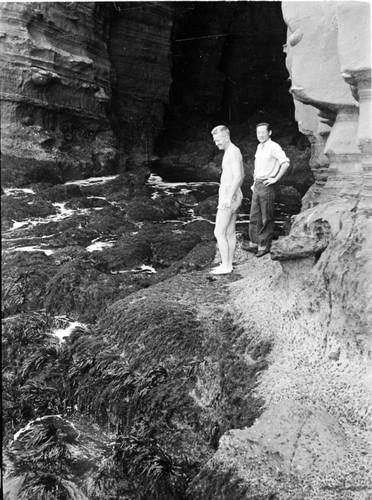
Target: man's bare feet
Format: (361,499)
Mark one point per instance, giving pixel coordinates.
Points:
(221,270)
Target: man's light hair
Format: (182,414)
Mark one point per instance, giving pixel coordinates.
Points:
(221,129)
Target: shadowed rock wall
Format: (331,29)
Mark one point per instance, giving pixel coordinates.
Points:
(139,51)
(227,66)
(55,87)
(88,88)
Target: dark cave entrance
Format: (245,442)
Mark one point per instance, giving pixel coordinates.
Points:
(228,67)
(182,67)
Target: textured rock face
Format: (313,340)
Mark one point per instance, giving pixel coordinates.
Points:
(139,46)
(321,34)
(321,297)
(315,71)
(88,91)
(55,87)
(294,451)
(317,133)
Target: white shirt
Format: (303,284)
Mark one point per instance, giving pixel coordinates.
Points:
(268,158)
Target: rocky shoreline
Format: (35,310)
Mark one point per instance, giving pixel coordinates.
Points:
(129,372)
(165,361)
(171,331)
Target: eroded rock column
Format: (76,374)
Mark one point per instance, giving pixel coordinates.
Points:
(345,174)
(354,49)
(317,133)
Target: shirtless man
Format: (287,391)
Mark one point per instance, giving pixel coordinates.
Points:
(229,198)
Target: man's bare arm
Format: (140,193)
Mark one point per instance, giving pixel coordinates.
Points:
(237,171)
(282,170)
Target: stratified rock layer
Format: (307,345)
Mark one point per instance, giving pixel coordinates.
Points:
(139,47)
(55,88)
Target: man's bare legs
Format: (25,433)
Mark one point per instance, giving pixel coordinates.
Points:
(226,240)
(231,238)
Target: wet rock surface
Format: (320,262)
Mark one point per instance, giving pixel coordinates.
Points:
(170,362)
(17,209)
(129,234)
(165,352)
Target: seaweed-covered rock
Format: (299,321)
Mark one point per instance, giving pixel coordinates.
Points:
(201,227)
(153,332)
(74,236)
(128,252)
(93,202)
(201,381)
(25,277)
(170,246)
(14,209)
(67,449)
(111,220)
(200,256)
(207,208)
(144,209)
(124,187)
(62,192)
(79,289)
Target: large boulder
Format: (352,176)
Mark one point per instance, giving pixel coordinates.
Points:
(292,452)
(145,209)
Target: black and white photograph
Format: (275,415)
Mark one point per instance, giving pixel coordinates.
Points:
(186,215)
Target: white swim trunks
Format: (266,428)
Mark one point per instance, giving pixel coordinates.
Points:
(235,202)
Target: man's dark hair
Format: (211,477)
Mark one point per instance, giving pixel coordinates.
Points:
(267,125)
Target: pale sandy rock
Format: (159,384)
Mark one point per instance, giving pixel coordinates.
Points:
(295,450)
(317,133)
(311,48)
(354,41)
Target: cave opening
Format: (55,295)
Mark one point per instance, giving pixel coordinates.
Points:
(181,68)
(228,66)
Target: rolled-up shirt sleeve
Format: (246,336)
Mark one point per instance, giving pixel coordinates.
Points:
(279,154)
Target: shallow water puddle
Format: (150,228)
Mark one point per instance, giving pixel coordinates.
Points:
(18,191)
(92,180)
(139,269)
(100,245)
(160,186)
(63,333)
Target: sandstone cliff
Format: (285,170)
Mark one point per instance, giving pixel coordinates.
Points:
(55,88)
(314,438)
(83,87)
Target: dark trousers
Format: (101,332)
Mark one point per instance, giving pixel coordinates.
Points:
(261,225)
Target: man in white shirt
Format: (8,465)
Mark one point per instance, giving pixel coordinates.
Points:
(271,163)
(229,198)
